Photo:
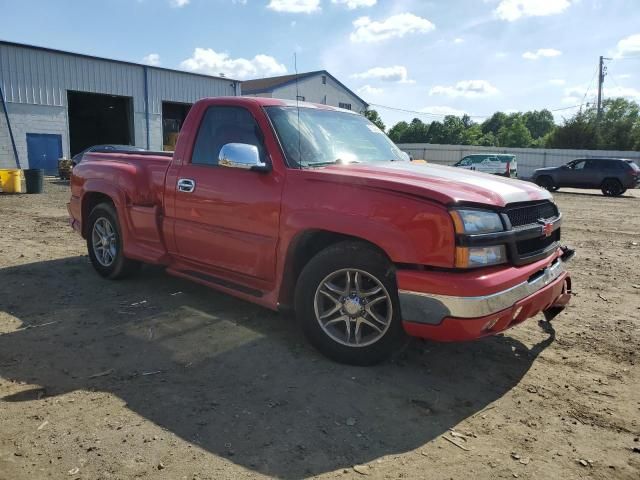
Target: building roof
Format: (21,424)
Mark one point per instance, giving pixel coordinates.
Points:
(269,84)
(93,57)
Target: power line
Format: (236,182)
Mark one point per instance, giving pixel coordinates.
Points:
(429,114)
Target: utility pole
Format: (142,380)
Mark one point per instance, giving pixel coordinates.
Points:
(602,72)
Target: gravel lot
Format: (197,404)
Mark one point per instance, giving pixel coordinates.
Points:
(155,377)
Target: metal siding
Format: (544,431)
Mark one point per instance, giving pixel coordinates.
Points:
(40,80)
(183,88)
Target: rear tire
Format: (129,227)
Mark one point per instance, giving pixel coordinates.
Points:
(347,303)
(104,243)
(612,188)
(547,183)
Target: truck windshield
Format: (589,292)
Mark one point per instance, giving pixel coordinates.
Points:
(327,137)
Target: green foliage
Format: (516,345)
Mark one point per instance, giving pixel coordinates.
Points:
(374,118)
(515,135)
(539,123)
(618,129)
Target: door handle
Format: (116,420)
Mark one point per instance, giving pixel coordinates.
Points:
(186,185)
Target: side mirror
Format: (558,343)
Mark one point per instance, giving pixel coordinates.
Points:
(565,167)
(243,156)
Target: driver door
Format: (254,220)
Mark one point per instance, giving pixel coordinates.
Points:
(573,175)
(229,220)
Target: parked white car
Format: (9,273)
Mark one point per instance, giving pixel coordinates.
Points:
(495,163)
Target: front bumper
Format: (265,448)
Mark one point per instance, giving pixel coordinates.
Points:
(501,302)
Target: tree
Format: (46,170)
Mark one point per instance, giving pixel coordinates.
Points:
(472,135)
(515,135)
(618,128)
(539,122)
(374,118)
(494,123)
(397,131)
(576,132)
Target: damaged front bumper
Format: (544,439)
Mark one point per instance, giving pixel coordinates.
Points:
(546,287)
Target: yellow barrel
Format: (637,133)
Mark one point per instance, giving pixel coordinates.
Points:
(11,180)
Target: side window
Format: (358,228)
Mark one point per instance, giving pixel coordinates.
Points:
(465,162)
(579,165)
(620,166)
(222,125)
(593,165)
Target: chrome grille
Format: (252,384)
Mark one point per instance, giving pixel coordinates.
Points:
(530,214)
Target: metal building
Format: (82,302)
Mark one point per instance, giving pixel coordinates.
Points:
(317,87)
(59,103)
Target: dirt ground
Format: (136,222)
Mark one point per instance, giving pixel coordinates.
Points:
(155,377)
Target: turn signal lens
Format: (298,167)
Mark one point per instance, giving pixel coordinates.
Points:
(472,257)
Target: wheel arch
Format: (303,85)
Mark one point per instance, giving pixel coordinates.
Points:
(303,247)
(89,201)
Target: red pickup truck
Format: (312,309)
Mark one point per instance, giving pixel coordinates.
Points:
(313,208)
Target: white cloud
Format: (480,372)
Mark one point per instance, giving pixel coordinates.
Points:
(571,100)
(179,3)
(608,92)
(152,59)
(624,76)
(465,88)
(440,110)
(396,26)
(626,92)
(369,90)
(541,52)
(628,46)
(206,60)
(458,40)
(294,6)
(511,10)
(557,81)
(396,73)
(353,4)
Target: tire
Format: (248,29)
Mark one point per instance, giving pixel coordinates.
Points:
(365,325)
(547,183)
(612,188)
(112,265)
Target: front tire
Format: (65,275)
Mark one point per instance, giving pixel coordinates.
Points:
(612,188)
(547,183)
(104,243)
(347,303)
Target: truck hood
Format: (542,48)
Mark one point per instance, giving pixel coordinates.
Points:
(447,185)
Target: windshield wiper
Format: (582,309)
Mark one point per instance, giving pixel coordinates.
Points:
(337,161)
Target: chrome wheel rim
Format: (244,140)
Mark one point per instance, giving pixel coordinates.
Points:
(353,307)
(104,242)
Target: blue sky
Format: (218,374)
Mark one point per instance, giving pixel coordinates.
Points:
(437,57)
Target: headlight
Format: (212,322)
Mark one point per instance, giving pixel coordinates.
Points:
(473,257)
(476,221)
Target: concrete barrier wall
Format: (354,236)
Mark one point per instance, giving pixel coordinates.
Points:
(528,158)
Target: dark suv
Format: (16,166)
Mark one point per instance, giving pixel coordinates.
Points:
(612,175)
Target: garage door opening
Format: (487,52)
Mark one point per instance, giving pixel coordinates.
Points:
(173,116)
(96,119)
